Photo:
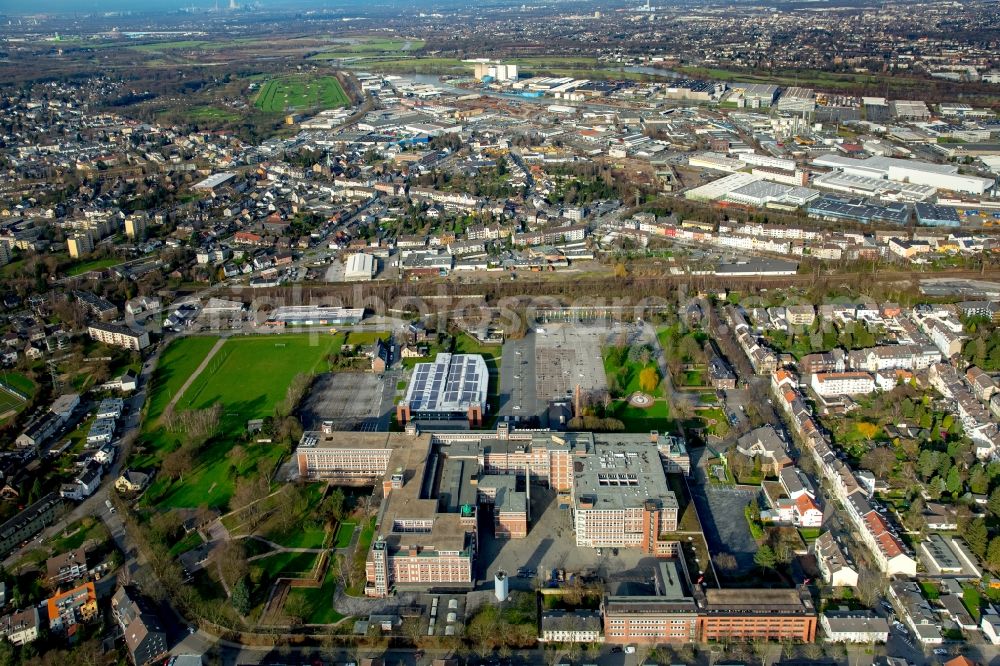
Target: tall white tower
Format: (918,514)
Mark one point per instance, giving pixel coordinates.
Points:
(501,586)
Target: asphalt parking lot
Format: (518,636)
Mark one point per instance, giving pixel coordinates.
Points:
(567,355)
(352,400)
(721,510)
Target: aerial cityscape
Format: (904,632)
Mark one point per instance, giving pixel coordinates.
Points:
(616,333)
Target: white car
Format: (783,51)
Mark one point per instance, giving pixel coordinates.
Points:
(940,651)
(629,649)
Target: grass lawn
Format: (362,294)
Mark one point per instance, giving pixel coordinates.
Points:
(637,419)
(930,590)
(177,363)
(345,531)
(365,337)
(77,535)
(973,601)
(693,378)
(212,481)
(715,421)
(9,403)
(360,555)
(290,93)
(307,532)
(285,564)
(369,46)
(212,113)
(190,540)
(416,65)
(249,375)
(95,265)
(319,601)
(810,533)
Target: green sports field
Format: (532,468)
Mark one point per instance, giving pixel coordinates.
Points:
(8,403)
(250,375)
(177,363)
(293,93)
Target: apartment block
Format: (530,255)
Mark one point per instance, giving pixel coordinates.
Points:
(117,335)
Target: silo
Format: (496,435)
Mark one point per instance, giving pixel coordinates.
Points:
(501,586)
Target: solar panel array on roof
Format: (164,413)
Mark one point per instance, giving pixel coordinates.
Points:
(451,383)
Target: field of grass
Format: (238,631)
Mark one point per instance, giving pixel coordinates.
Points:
(345,531)
(291,565)
(156,47)
(973,601)
(365,46)
(417,65)
(9,403)
(292,93)
(637,419)
(78,533)
(365,337)
(212,113)
(190,540)
(715,421)
(177,363)
(822,80)
(319,601)
(360,555)
(250,375)
(308,531)
(18,382)
(95,265)
(212,482)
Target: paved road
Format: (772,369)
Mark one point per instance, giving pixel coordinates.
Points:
(94,505)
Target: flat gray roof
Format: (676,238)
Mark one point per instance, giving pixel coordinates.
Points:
(621,475)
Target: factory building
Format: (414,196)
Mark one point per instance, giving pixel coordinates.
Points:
(917,172)
(452,388)
(495,71)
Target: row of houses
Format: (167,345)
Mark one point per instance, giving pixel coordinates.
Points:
(872,528)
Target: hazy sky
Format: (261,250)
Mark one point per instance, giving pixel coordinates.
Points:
(37,6)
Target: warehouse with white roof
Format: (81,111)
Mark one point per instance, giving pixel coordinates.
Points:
(941,176)
(359,267)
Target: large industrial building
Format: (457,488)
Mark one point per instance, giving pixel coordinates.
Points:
(666,614)
(621,497)
(360,267)
(450,389)
(434,485)
(940,176)
(851,209)
(314,315)
(756,615)
(495,71)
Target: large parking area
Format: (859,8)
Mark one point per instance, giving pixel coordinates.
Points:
(567,355)
(550,544)
(352,400)
(721,510)
(517,380)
